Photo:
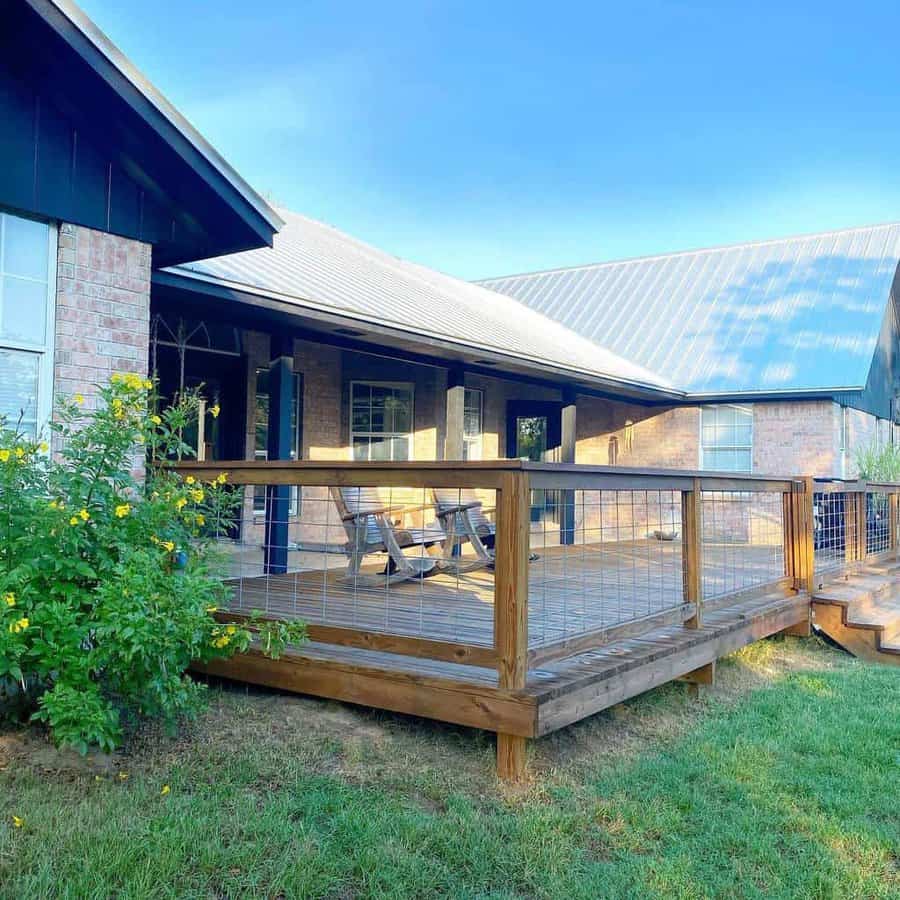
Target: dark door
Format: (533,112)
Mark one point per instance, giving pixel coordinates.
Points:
(534,433)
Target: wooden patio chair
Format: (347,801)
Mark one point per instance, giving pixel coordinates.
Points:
(464,518)
(374,526)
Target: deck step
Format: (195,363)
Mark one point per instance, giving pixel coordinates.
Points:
(862,614)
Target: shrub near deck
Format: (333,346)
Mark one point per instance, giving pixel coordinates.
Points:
(107,579)
(782,784)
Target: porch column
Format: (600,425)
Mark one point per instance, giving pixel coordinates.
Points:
(567,455)
(281,376)
(456,399)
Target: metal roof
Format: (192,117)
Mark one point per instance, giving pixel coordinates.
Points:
(60,13)
(801,313)
(313,266)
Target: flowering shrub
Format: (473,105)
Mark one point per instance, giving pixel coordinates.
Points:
(108,578)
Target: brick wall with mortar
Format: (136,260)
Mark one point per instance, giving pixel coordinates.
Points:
(102,310)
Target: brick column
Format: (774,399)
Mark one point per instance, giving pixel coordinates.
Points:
(102,310)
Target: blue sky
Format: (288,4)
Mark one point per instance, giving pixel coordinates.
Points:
(486,138)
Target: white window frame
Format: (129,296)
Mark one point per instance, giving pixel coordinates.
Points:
(749,447)
(45,350)
(475,441)
(402,385)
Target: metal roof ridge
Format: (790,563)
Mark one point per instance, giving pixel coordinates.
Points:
(696,251)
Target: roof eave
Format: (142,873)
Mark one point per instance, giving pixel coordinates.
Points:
(110,64)
(606,384)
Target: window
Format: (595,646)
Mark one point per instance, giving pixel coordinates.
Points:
(381,415)
(726,438)
(473,411)
(26,361)
(261,450)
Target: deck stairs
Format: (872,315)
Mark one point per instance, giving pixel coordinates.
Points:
(861,611)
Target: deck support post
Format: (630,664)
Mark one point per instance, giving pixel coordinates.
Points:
(851,533)
(692,552)
(568,438)
(697,679)
(278,497)
(799,551)
(454,444)
(511,608)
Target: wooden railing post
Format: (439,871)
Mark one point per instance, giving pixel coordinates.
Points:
(806,499)
(892,520)
(692,551)
(851,533)
(862,533)
(511,607)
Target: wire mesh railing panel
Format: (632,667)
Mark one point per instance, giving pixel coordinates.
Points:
(415,562)
(878,522)
(600,558)
(743,540)
(833,515)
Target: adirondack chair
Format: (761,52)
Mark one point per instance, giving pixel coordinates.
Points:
(372,526)
(463,517)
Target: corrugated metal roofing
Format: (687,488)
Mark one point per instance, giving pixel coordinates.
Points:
(801,313)
(315,266)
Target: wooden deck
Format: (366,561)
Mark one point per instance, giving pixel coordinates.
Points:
(571,591)
(555,694)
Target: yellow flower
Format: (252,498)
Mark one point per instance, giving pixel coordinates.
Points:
(43,446)
(168,545)
(84,515)
(215,410)
(190,479)
(19,452)
(115,378)
(198,495)
(180,503)
(165,790)
(17,821)
(79,399)
(18,626)
(148,384)
(4,455)
(122,510)
(123,776)
(74,520)
(201,519)
(10,599)
(212,609)
(156,420)
(54,504)
(222,478)
(231,629)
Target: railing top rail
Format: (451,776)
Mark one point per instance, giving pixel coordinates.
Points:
(853,486)
(486,473)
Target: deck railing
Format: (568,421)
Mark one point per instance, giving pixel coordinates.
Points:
(514,566)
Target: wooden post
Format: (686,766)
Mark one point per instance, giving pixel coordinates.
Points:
(454,445)
(278,497)
(692,551)
(892,520)
(511,608)
(568,438)
(799,522)
(862,533)
(851,533)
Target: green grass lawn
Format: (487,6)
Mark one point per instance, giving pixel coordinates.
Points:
(783,781)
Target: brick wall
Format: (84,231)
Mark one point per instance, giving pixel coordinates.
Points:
(102,309)
(636,435)
(799,437)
